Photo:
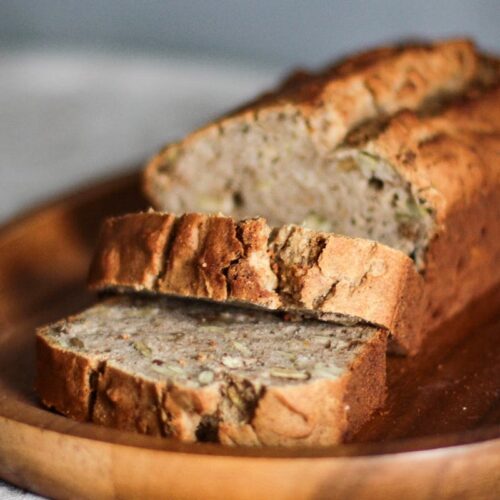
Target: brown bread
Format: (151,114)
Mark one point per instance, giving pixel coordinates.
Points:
(203,372)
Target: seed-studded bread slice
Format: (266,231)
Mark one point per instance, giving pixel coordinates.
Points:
(294,269)
(396,145)
(203,372)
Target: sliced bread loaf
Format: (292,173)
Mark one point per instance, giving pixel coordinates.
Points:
(294,269)
(289,157)
(203,372)
(397,145)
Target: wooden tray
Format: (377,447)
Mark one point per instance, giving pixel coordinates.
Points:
(437,437)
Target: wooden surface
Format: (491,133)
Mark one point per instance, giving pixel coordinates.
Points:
(437,437)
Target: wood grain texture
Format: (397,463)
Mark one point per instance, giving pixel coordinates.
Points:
(437,437)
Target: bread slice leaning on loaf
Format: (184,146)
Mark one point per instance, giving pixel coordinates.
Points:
(202,372)
(293,269)
(399,145)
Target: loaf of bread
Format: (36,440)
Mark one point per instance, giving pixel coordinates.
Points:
(323,275)
(195,371)
(397,145)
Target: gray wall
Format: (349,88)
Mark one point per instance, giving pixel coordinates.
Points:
(279,32)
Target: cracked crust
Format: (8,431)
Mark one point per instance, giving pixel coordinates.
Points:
(374,84)
(292,268)
(87,386)
(127,402)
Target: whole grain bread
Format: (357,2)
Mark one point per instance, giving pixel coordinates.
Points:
(293,269)
(399,145)
(202,372)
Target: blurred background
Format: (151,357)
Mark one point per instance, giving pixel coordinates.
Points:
(90,87)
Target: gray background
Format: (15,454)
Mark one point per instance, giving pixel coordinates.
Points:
(88,88)
(279,32)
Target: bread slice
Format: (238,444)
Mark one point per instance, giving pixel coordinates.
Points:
(294,269)
(396,145)
(202,372)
